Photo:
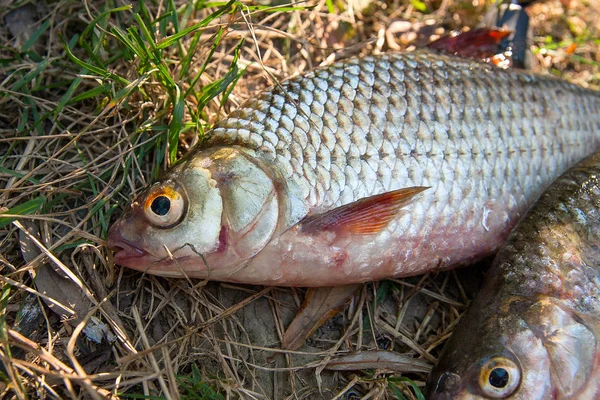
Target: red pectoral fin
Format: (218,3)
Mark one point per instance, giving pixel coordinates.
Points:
(365,216)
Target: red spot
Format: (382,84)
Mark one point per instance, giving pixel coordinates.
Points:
(222,240)
(339,259)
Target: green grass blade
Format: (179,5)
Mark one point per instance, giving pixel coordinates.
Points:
(173,8)
(142,49)
(103,14)
(187,60)
(216,39)
(146,33)
(159,154)
(193,388)
(37,120)
(385,287)
(186,14)
(93,69)
(219,86)
(402,379)
(397,392)
(282,9)
(15,377)
(89,94)
(585,60)
(129,89)
(132,46)
(165,17)
(167,79)
(145,20)
(209,4)
(168,41)
(227,92)
(212,90)
(175,126)
(69,93)
(91,52)
(18,175)
(31,75)
(29,207)
(71,245)
(36,35)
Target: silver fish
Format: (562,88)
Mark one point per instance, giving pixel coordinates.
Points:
(533,330)
(373,167)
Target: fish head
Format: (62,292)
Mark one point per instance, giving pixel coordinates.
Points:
(211,212)
(490,371)
(490,356)
(516,349)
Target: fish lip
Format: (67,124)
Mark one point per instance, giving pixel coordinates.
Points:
(124,250)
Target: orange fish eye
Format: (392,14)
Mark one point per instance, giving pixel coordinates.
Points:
(499,377)
(164,206)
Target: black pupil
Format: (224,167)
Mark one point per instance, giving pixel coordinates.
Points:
(499,378)
(161,205)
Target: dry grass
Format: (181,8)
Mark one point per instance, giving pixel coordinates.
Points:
(76,143)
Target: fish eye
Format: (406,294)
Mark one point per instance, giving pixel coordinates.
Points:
(164,206)
(499,377)
(160,205)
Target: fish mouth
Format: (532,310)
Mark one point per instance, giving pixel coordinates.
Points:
(126,253)
(131,256)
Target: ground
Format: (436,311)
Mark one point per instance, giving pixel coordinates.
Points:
(98,97)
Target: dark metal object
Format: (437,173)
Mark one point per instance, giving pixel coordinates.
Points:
(514,18)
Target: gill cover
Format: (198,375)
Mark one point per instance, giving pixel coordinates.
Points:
(569,343)
(250,203)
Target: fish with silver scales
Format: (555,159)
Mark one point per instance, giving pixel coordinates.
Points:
(532,331)
(373,167)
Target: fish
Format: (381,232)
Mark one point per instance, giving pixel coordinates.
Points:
(379,166)
(533,329)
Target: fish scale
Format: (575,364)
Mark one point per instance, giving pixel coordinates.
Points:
(501,114)
(485,141)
